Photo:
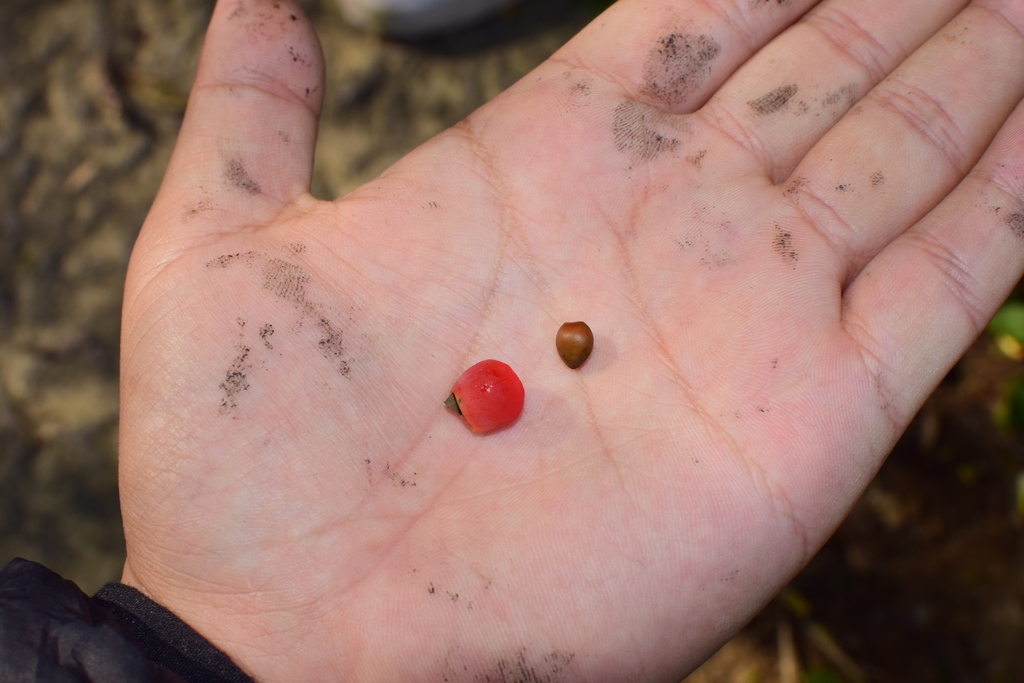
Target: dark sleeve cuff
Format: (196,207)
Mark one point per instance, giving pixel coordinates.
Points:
(167,640)
(51,631)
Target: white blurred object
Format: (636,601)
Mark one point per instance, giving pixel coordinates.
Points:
(417,18)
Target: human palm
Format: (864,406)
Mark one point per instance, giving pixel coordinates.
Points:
(747,234)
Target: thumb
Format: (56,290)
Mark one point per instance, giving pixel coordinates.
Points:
(246,144)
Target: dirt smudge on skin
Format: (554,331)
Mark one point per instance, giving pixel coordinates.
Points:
(236,379)
(286,280)
(202,205)
(578,92)
(713,260)
(261,22)
(266,332)
(639,130)
(550,668)
(707,219)
(697,159)
(831,105)
(678,65)
(877,178)
(226,260)
(236,176)
(774,100)
(782,244)
(793,188)
(396,477)
(331,346)
(297,56)
(844,95)
(289,281)
(1015,222)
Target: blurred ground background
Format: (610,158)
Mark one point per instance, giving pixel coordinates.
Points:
(923,582)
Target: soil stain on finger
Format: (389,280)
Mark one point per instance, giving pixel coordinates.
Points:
(640,130)
(773,101)
(522,668)
(1015,222)
(236,176)
(678,65)
(845,96)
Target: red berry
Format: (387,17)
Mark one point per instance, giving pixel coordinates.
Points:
(488,396)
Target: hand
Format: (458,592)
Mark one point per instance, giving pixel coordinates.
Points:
(782,231)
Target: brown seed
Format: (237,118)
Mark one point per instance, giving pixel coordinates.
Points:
(574,342)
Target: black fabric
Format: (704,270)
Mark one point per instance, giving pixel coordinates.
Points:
(52,632)
(167,640)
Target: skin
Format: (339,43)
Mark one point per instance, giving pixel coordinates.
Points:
(786,219)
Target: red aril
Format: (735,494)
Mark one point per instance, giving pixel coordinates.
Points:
(488,396)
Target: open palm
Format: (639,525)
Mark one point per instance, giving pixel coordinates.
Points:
(776,236)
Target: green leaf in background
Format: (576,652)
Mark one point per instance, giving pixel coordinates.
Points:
(820,676)
(1019,494)
(1015,404)
(1009,413)
(1009,320)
